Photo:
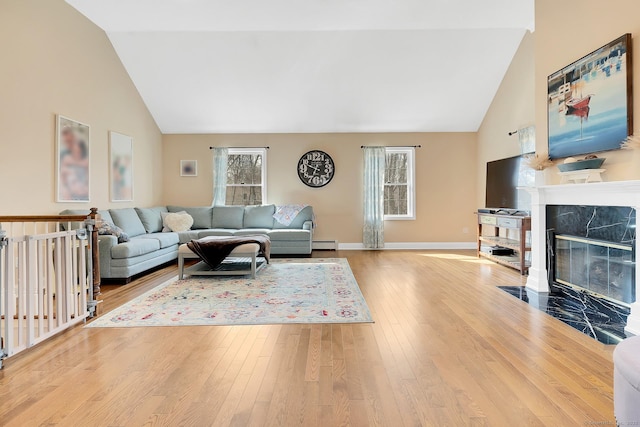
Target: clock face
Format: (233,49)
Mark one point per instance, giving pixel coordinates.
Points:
(316,168)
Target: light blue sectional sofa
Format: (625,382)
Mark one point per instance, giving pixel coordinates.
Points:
(150,247)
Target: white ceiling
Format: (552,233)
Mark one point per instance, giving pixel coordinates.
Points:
(245,66)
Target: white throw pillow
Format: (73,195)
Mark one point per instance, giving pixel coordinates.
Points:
(177,221)
(163,215)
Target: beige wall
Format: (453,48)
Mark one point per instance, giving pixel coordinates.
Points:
(521,99)
(55,61)
(445,175)
(512,108)
(593,23)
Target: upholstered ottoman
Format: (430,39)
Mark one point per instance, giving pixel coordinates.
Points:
(626,382)
(248,250)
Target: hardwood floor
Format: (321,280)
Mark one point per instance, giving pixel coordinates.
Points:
(447,349)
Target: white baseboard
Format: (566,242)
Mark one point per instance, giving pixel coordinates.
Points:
(324,245)
(411,245)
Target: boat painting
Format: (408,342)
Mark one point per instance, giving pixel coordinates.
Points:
(578,103)
(590,102)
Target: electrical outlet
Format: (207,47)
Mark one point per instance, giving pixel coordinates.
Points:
(465,230)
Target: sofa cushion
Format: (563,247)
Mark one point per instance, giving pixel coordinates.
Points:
(215,232)
(165,239)
(227,217)
(138,264)
(128,220)
(289,235)
(151,218)
(106,216)
(187,236)
(259,216)
(135,247)
(305,214)
(251,231)
(201,215)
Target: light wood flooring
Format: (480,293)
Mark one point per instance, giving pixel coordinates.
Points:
(447,349)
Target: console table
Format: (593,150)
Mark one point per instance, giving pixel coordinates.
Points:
(489,226)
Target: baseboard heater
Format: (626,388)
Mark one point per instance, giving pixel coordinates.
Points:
(324,245)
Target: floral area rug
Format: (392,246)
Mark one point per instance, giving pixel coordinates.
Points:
(285,291)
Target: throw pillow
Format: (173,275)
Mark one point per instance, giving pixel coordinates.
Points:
(178,221)
(165,228)
(109,229)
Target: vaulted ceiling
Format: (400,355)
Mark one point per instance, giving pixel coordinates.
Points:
(248,66)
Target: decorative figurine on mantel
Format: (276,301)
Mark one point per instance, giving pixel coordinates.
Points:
(583,170)
(538,163)
(632,143)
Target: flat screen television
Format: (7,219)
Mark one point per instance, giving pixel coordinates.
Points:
(502,183)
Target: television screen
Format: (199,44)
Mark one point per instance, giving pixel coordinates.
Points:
(502,183)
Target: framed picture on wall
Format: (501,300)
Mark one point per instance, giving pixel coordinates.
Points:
(527,140)
(72,160)
(120,167)
(590,102)
(188,168)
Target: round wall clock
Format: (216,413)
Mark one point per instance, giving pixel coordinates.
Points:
(316,168)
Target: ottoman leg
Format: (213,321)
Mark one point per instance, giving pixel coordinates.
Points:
(180,266)
(253,266)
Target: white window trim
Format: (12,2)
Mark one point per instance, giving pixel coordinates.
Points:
(411,184)
(263,153)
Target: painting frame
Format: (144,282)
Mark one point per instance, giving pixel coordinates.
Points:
(527,140)
(121,177)
(73,161)
(590,101)
(188,168)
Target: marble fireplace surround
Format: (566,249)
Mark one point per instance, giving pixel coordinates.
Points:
(617,193)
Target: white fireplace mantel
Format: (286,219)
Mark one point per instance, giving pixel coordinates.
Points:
(617,193)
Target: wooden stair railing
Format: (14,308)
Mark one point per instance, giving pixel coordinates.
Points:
(91,220)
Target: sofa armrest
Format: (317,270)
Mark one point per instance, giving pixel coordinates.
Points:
(105,243)
(307,225)
(107,240)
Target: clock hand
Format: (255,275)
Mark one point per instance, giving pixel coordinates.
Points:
(313,167)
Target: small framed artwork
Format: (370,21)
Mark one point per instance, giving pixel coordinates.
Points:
(121,167)
(527,140)
(72,158)
(188,168)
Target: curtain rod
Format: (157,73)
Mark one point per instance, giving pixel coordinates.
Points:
(267,147)
(396,146)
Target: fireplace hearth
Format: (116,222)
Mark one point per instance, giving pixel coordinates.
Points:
(596,317)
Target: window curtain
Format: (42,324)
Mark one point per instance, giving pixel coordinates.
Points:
(220,156)
(373,232)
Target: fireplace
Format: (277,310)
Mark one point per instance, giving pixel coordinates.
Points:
(583,242)
(592,249)
(602,268)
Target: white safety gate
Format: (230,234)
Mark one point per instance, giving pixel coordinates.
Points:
(45,286)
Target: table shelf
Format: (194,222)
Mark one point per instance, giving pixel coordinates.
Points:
(503,242)
(512,261)
(489,226)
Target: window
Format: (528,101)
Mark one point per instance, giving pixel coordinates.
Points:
(399,184)
(246,176)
